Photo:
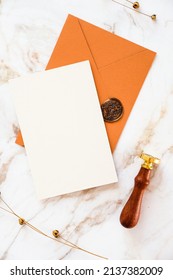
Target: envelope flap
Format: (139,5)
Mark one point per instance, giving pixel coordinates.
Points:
(106,47)
(71,47)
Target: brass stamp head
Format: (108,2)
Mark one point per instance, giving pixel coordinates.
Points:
(149,161)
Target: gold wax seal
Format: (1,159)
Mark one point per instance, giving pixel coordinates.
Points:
(112,110)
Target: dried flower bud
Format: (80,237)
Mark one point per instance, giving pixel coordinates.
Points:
(56,233)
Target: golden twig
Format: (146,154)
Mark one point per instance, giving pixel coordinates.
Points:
(59,238)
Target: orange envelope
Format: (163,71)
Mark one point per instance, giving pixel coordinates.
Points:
(119,66)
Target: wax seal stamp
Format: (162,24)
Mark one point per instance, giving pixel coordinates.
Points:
(112,110)
(131,211)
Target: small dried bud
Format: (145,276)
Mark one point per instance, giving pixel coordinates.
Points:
(56,233)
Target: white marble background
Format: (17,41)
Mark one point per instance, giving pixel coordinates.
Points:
(28,32)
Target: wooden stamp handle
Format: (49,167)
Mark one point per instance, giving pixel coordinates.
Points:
(131,211)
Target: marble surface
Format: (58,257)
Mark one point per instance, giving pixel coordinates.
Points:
(28,32)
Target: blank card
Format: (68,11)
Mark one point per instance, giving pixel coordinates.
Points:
(63,130)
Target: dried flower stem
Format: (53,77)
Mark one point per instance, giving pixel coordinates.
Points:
(131,8)
(62,241)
